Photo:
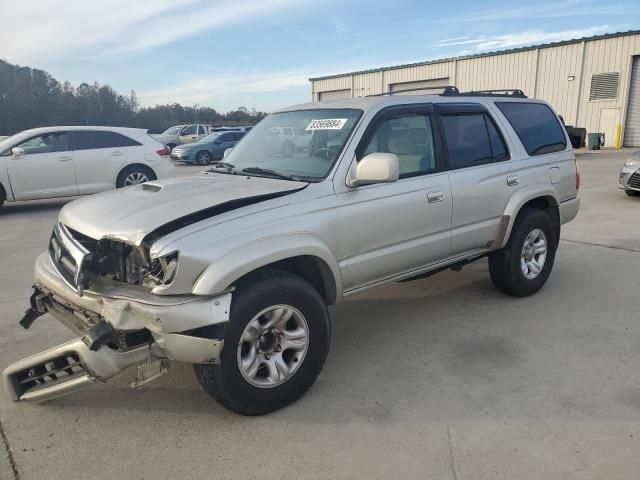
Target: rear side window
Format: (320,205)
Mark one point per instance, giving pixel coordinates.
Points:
(536,125)
(467,140)
(200,130)
(92,139)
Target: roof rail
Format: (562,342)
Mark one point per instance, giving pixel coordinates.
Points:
(498,92)
(445,88)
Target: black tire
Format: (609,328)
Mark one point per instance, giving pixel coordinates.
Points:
(225,382)
(288,149)
(203,157)
(632,193)
(171,146)
(134,170)
(504,265)
(3,196)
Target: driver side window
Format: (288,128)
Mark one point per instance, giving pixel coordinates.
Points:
(46,143)
(410,138)
(189,130)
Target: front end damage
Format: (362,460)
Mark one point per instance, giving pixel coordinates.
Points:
(118,324)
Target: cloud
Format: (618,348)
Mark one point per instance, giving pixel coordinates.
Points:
(510,40)
(46,29)
(562,9)
(213,87)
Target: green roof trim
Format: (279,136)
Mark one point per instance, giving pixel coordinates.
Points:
(487,54)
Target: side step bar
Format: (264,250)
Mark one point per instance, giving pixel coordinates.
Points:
(65,369)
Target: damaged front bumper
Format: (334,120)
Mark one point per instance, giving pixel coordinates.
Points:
(118,326)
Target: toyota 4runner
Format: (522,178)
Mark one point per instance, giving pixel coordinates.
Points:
(233,270)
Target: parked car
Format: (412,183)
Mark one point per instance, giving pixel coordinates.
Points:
(181,134)
(244,129)
(66,161)
(232,270)
(289,140)
(630,176)
(211,148)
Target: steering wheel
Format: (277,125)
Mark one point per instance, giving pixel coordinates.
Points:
(326,150)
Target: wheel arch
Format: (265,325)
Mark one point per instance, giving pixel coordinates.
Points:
(130,165)
(546,201)
(301,254)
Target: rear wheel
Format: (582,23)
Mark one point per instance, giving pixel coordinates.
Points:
(632,193)
(203,158)
(171,146)
(3,197)
(523,266)
(134,175)
(287,149)
(275,344)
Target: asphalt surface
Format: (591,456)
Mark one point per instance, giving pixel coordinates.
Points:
(441,378)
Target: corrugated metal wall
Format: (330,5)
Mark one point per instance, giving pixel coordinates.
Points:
(560,75)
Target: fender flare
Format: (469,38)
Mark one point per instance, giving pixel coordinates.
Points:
(515,204)
(223,272)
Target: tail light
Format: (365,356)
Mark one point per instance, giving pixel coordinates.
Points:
(164,151)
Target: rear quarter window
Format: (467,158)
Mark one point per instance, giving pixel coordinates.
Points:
(536,125)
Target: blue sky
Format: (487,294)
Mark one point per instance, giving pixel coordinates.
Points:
(260,53)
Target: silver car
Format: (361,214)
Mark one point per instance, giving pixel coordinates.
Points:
(233,270)
(630,176)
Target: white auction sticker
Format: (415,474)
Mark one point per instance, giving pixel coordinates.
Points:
(327,124)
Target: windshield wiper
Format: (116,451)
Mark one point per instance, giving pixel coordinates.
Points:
(228,166)
(268,171)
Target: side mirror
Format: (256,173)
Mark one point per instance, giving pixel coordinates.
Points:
(376,168)
(217,142)
(226,152)
(17,151)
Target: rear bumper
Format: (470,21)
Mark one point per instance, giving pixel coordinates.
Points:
(118,326)
(569,210)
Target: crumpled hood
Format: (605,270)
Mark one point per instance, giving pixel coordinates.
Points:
(130,214)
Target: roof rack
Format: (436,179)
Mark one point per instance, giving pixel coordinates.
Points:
(450,91)
(498,92)
(445,88)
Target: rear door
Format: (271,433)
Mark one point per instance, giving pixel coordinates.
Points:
(483,176)
(46,169)
(99,156)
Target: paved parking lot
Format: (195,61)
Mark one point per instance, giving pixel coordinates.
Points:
(441,378)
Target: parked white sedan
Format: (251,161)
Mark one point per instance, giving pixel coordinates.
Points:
(65,161)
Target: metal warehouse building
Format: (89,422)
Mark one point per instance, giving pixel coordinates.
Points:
(593,82)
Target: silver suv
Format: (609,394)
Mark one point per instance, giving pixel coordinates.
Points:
(233,270)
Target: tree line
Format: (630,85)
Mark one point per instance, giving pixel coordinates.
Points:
(32,98)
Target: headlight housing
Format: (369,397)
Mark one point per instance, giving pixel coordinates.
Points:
(162,271)
(632,163)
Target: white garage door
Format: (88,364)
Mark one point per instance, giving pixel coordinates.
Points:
(632,125)
(429,86)
(335,94)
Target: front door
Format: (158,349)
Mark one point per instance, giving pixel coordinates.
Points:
(45,169)
(391,229)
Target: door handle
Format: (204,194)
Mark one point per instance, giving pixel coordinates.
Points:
(435,197)
(64,159)
(116,154)
(513,180)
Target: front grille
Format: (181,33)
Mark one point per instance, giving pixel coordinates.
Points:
(634,180)
(48,373)
(68,256)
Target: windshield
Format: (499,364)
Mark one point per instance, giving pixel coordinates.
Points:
(172,130)
(302,143)
(209,138)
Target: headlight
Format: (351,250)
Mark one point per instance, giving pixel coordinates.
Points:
(162,271)
(632,163)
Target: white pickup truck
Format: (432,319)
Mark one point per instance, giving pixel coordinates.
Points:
(180,134)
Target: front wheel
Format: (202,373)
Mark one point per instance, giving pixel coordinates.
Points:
(203,158)
(524,265)
(275,344)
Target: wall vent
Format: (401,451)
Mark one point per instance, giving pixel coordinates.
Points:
(604,86)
